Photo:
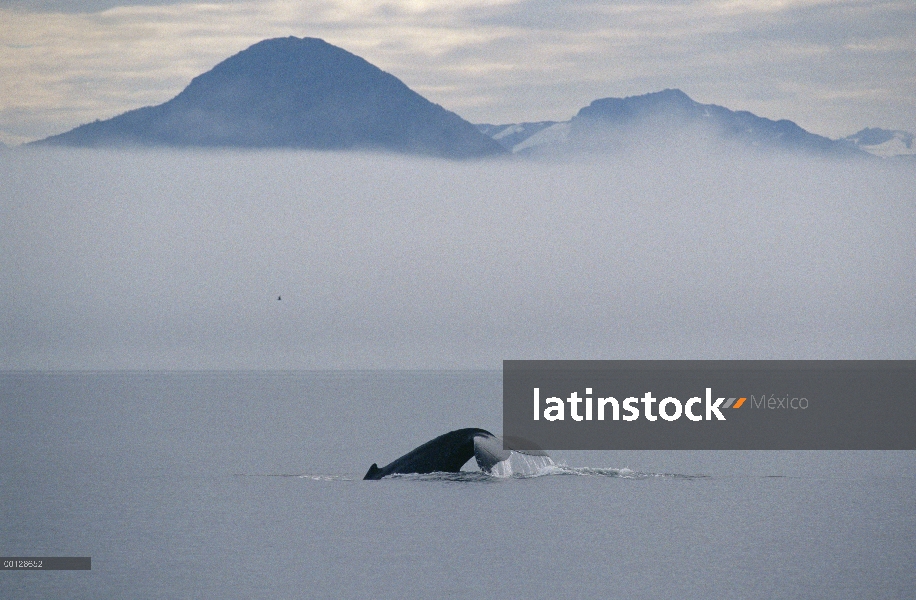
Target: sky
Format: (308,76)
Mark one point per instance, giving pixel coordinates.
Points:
(161,259)
(833,67)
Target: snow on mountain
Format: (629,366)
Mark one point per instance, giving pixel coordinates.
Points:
(510,136)
(885,143)
(665,118)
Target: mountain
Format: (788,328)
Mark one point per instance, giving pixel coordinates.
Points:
(663,118)
(510,136)
(292,93)
(883,142)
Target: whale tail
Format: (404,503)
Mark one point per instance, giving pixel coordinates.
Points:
(489,451)
(502,457)
(448,452)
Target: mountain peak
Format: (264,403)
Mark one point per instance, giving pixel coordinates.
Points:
(608,124)
(625,109)
(883,142)
(294,93)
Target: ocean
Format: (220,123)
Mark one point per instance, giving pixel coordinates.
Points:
(248,484)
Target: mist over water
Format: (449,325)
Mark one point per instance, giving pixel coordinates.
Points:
(136,259)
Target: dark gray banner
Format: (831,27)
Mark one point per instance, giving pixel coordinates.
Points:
(710,405)
(46,563)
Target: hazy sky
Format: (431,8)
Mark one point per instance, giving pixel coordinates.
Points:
(834,67)
(175,259)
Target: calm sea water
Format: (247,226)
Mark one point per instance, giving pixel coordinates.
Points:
(248,485)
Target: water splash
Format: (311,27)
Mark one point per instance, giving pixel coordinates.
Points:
(624,473)
(325,477)
(517,466)
(522,465)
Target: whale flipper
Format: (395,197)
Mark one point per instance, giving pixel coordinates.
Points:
(446,453)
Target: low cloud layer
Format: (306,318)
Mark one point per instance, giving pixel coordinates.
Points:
(176,260)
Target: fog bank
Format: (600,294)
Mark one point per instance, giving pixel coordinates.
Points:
(176,260)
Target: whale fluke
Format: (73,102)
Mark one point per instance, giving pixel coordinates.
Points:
(448,453)
(488,450)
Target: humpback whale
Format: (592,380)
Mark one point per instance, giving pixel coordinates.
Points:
(447,453)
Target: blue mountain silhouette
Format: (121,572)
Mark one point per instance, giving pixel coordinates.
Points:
(292,93)
(656,119)
(675,108)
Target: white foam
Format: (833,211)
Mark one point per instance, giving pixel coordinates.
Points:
(522,465)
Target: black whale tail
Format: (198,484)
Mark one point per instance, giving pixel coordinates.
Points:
(448,452)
